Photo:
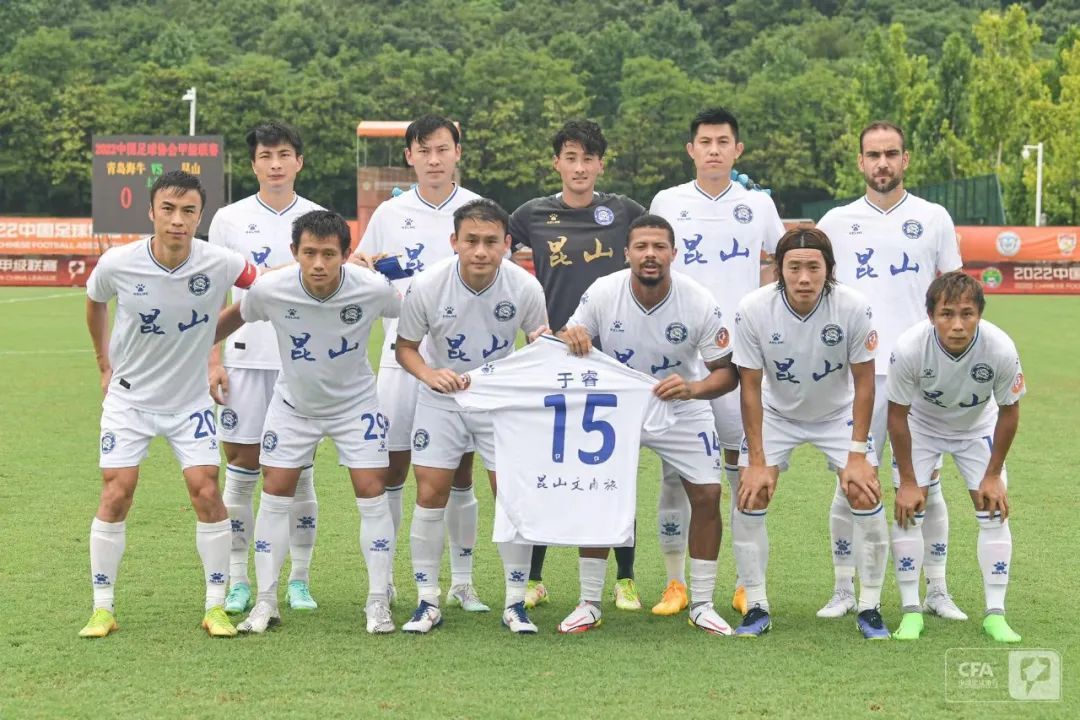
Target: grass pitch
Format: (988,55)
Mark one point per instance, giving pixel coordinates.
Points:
(324,665)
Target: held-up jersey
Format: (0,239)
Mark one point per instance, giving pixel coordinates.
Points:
(805,361)
(263,236)
(567,436)
(673,337)
(954,397)
(419,231)
(719,240)
(468,328)
(323,343)
(165,321)
(891,256)
(573,246)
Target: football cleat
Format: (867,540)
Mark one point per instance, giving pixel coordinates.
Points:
(217,623)
(704,616)
(996,627)
(911,627)
(872,625)
(424,619)
(535,594)
(239,598)
(585,616)
(299,595)
(941,604)
(379,621)
(840,604)
(516,621)
(101,623)
(626,595)
(465,596)
(756,622)
(738,600)
(673,601)
(262,617)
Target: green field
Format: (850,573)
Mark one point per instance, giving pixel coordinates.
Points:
(324,665)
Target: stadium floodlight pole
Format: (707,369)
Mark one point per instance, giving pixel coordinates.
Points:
(190,96)
(1038,148)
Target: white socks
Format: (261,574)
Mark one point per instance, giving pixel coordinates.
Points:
(462,517)
(426,538)
(516,559)
(212,541)
(673,523)
(271,544)
(303,519)
(842,535)
(591,572)
(239,499)
(750,545)
(376,529)
(107,541)
(394,499)
(907,550)
(702,580)
(935,534)
(995,556)
(872,540)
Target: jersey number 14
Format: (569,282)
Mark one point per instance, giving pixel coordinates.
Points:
(588,423)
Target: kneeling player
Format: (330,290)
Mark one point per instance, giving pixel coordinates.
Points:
(667,326)
(322,314)
(954,387)
(471,306)
(799,343)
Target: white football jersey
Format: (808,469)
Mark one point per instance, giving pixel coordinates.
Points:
(418,231)
(263,236)
(165,321)
(468,328)
(323,343)
(719,240)
(567,436)
(891,256)
(676,336)
(805,360)
(954,397)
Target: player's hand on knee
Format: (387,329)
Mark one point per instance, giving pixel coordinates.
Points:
(756,488)
(219,383)
(577,340)
(910,500)
(993,496)
(859,481)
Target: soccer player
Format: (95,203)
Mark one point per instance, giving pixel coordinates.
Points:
(670,327)
(889,245)
(321,314)
(726,235)
(153,375)
(954,387)
(416,225)
(259,227)
(573,238)
(800,345)
(471,307)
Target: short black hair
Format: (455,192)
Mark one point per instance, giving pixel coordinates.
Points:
(483,210)
(952,287)
(179,182)
(584,132)
(322,224)
(424,126)
(714,116)
(272,134)
(651,221)
(882,125)
(806,239)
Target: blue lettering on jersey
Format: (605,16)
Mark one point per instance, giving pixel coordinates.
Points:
(829,368)
(414,263)
(454,351)
(692,254)
(783,370)
(260,256)
(623,357)
(299,352)
(975,401)
(905,266)
(735,252)
(344,349)
(864,269)
(666,365)
(932,397)
(149,322)
(195,320)
(495,347)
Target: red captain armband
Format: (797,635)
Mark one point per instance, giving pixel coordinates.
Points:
(247,276)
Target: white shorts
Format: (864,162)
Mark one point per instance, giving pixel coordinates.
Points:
(397,390)
(728,413)
(781,436)
(290,440)
(440,437)
(250,390)
(971,457)
(126,433)
(690,447)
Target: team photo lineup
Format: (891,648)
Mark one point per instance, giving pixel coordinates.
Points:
(555,341)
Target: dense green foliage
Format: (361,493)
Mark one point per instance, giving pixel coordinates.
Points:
(970,80)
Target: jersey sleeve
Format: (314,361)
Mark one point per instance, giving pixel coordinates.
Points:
(534,310)
(99,286)
(1009,384)
(219,231)
(901,382)
(586,313)
(715,341)
(373,242)
(412,322)
(519,228)
(774,228)
(862,337)
(243,271)
(633,209)
(747,351)
(948,250)
(391,299)
(253,306)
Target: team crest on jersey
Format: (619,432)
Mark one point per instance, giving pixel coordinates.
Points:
(140,290)
(420,439)
(198,284)
(676,333)
(269,441)
(616,326)
(982,373)
(723,338)
(1008,243)
(742,213)
(291,314)
(871,341)
(912,229)
(228,419)
(351,314)
(856,229)
(832,335)
(505,310)
(1018,384)
(603,215)
(108,442)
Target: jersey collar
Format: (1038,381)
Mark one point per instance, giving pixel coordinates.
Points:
(290,206)
(150,252)
(801,318)
(961,356)
(717,197)
(457,272)
(899,202)
(341,284)
(655,307)
(441,205)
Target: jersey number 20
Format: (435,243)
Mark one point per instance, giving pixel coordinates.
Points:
(588,423)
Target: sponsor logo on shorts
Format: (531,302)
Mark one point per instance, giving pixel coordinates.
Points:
(982,373)
(198,284)
(603,215)
(871,340)
(420,439)
(269,441)
(743,213)
(228,419)
(108,442)
(676,333)
(351,314)
(832,335)
(505,310)
(912,229)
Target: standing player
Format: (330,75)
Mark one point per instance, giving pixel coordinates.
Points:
(322,316)
(954,387)
(800,344)
(153,374)
(889,245)
(670,327)
(726,235)
(259,227)
(575,237)
(416,225)
(471,306)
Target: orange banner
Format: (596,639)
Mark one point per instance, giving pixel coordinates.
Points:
(986,244)
(55,236)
